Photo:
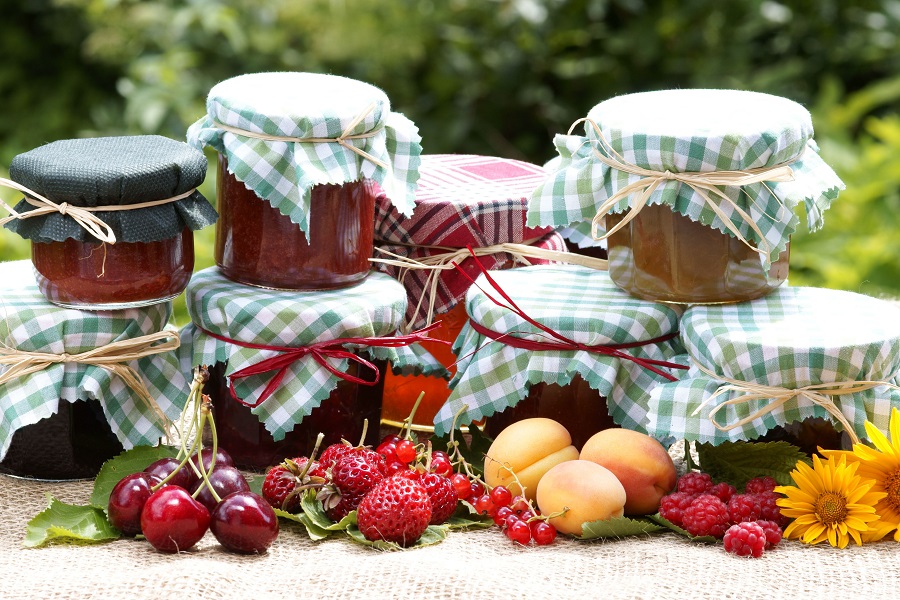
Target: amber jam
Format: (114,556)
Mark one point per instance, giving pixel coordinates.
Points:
(96,275)
(577,406)
(257,245)
(666,257)
(341,415)
(71,444)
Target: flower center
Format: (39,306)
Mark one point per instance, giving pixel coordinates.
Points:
(831,508)
(892,487)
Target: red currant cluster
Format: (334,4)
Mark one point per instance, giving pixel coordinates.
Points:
(517,518)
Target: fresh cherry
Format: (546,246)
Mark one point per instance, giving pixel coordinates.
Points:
(223,459)
(225,480)
(185,477)
(244,522)
(172,521)
(127,501)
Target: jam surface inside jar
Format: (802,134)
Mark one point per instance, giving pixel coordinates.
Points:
(666,257)
(257,245)
(577,406)
(340,416)
(94,275)
(71,444)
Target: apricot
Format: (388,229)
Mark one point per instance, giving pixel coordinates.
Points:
(584,490)
(529,448)
(640,463)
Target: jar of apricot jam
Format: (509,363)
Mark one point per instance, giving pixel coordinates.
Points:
(143,191)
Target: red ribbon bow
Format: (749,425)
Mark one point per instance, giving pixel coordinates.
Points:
(319,351)
(563,342)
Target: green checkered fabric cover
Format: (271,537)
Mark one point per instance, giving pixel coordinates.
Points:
(31,324)
(792,338)
(688,131)
(580,303)
(308,105)
(580,235)
(373,308)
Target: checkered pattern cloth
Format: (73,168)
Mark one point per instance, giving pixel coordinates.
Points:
(792,338)
(580,303)
(580,235)
(31,324)
(284,173)
(693,131)
(373,308)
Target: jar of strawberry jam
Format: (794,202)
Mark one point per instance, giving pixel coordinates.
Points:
(138,195)
(695,191)
(303,158)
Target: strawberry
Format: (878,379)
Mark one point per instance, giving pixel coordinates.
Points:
(334,452)
(282,481)
(396,510)
(352,476)
(441,492)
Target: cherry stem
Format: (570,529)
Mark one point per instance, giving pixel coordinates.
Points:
(407,422)
(184,433)
(207,418)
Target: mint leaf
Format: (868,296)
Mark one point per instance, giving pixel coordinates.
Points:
(67,521)
(618,527)
(131,461)
(738,462)
(705,539)
(433,535)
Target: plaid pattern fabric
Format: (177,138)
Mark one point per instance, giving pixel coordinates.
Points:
(792,338)
(284,173)
(655,131)
(580,303)
(373,308)
(580,235)
(31,324)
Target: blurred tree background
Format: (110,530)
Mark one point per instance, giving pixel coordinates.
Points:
(494,77)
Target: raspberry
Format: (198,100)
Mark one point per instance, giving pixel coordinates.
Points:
(396,510)
(724,491)
(694,483)
(743,508)
(672,506)
(769,510)
(773,533)
(745,539)
(758,485)
(352,476)
(707,515)
(441,492)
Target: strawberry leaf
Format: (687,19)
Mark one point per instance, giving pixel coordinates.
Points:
(435,534)
(313,510)
(738,462)
(70,522)
(466,517)
(659,519)
(618,527)
(131,461)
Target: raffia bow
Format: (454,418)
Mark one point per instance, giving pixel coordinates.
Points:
(819,394)
(703,183)
(111,357)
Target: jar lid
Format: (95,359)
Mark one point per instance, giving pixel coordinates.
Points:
(689,132)
(583,305)
(30,324)
(241,314)
(280,132)
(792,338)
(113,171)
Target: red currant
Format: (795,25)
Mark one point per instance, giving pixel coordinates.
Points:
(406,451)
(543,533)
(389,451)
(501,514)
(441,465)
(477,489)
(519,532)
(462,485)
(501,496)
(484,505)
(519,504)
(510,520)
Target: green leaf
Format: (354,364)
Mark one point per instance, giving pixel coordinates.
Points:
(313,510)
(131,461)
(255,481)
(705,539)
(435,534)
(472,445)
(738,462)
(465,517)
(618,527)
(68,521)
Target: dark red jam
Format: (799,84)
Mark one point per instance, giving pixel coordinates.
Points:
(96,275)
(577,406)
(340,416)
(257,245)
(71,444)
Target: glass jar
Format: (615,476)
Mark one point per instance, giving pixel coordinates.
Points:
(257,245)
(667,257)
(73,443)
(340,416)
(95,275)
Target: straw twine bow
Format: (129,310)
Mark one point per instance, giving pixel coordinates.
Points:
(818,394)
(341,140)
(703,183)
(444,261)
(83,215)
(111,357)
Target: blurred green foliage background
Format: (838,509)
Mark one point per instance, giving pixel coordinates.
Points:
(494,77)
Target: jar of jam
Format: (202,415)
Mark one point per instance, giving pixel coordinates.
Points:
(805,365)
(236,328)
(576,349)
(141,193)
(462,200)
(57,426)
(702,185)
(303,158)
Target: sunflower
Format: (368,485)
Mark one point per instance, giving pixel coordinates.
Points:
(882,464)
(830,502)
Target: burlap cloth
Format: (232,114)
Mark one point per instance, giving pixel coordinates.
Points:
(480,564)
